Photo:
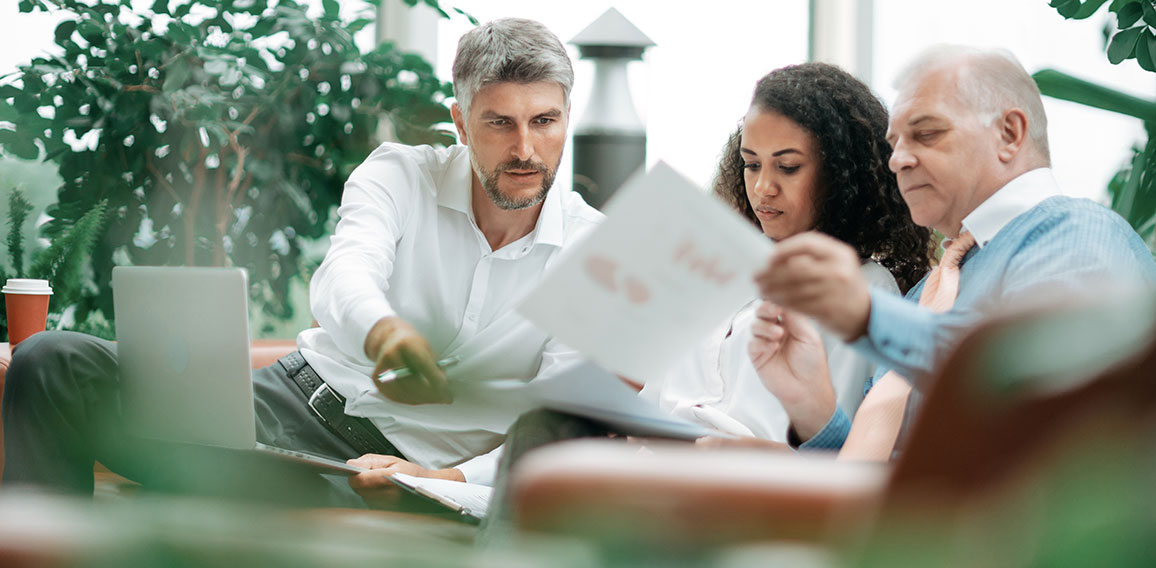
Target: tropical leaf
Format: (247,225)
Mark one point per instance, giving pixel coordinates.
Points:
(1123,45)
(1066,87)
(1128,15)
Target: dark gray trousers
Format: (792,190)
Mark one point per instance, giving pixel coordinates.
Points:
(532,430)
(62,411)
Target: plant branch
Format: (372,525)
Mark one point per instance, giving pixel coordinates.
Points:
(194,203)
(160,177)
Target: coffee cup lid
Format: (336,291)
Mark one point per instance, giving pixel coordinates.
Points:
(27,286)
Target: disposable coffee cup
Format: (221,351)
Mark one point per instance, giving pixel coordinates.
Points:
(27,303)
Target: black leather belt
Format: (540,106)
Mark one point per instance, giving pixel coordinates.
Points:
(329,407)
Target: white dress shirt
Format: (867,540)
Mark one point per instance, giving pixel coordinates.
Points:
(717,385)
(407,244)
(1012,200)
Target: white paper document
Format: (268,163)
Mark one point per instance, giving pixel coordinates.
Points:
(668,264)
(585,389)
(469,499)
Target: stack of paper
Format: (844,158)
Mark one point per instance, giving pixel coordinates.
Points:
(469,499)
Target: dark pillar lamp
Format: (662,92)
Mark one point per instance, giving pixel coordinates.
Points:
(610,140)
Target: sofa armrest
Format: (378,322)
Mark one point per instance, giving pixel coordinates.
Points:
(669,496)
(265,352)
(5,359)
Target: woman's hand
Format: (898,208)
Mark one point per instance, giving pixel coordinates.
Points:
(788,354)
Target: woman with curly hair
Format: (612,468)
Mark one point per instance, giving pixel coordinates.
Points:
(811,155)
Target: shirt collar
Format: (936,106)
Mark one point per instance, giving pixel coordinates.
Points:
(1010,201)
(454,193)
(550,228)
(454,187)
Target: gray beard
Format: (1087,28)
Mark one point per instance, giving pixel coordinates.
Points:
(503,201)
(489,181)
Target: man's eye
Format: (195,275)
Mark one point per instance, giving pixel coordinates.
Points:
(542,121)
(927,135)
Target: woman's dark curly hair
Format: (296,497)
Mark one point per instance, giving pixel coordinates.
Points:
(858,201)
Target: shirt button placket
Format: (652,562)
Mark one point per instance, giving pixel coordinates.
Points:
(477,293)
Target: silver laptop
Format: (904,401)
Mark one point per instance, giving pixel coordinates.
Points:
(183,348)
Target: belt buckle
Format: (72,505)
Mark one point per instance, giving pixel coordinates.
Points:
(313,400)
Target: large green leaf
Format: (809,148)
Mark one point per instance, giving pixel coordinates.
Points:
(176,75)
(1123,201)
(1128,15)
(1123,44)
(1066,8)
(92,32)
(1143,51)
(1063,86)
(1087,9)
(7,113)
(64,31)
(1148,12)
(19,144)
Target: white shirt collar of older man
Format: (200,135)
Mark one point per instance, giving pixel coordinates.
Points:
(456,195)
(1010,201)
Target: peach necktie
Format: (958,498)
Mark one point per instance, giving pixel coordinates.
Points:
(876,425)
(942,286)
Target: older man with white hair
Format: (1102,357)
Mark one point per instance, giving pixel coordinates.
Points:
(970,151)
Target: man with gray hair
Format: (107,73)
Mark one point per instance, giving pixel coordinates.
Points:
(970,153)
(431,251)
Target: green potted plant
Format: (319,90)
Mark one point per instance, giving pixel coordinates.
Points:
(61,264)
(1133,188)
(218,132)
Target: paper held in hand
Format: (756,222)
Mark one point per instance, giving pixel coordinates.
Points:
(666,267)
(469,499)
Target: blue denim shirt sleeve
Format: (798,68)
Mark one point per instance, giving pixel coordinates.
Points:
(831,437)
(907,338)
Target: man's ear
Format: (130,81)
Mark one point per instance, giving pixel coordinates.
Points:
(459,122)
(1013,133)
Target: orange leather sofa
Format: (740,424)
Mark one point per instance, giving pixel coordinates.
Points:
(1033,419)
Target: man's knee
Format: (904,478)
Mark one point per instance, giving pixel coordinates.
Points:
(544,425)
(55,358)
(539,420)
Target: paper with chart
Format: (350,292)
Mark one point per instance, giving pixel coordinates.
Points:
(668,264)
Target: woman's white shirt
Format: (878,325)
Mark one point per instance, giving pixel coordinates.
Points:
(716,384)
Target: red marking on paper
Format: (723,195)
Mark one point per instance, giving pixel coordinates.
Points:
(701,263)
(636,291)
(602,269)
